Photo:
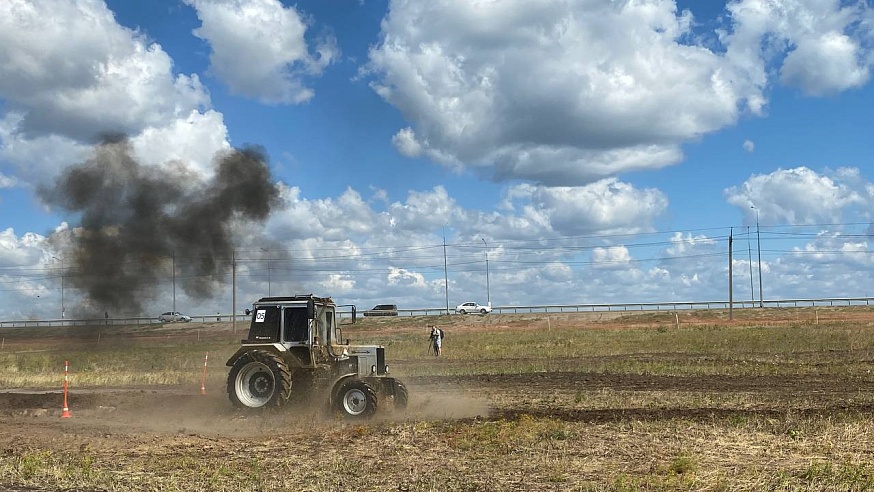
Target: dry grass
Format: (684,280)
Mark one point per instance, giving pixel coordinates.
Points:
(763,402)
(522,454)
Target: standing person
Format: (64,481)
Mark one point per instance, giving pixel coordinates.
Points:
(436,339)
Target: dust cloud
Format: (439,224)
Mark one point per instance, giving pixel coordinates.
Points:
(432,403)
(181,412)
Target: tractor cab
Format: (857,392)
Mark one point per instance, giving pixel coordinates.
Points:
(303,326)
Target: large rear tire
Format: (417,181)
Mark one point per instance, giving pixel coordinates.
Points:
(357,400)
(402,396)
(259,380)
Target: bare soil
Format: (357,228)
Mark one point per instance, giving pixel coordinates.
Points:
(163,410)
(149,435)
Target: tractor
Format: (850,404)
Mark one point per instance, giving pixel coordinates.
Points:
(294,352)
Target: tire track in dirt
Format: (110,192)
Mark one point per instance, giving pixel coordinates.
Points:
(585,381)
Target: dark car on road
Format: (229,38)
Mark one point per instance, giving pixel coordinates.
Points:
(382,310)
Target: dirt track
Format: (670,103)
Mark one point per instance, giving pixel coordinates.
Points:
(183,410)
(586,426)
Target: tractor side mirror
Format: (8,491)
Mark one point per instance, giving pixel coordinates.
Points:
(311,309)
(248,311)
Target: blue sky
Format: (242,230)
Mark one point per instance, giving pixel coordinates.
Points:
(596,151)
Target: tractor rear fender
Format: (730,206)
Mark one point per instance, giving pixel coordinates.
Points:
(274,348)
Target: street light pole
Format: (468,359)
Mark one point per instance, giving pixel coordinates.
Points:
(759,245)
(750,257)
(488,289)
(445,272)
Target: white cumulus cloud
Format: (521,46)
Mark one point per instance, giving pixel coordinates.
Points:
(608,205)
(557,92)
(797,196)
(612,257)
(566,93)
(68,68)
(818,46)
(259,49)
(69,73)
(406,143)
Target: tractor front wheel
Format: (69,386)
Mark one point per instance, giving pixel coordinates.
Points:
(357,400)
(259,380)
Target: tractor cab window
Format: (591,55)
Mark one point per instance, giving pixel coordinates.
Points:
(333,327)
(265,324)
(296,325)
(324,325)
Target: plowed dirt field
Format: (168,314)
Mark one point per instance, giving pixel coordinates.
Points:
(550,430)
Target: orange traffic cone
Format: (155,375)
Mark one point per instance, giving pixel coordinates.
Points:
(65,414)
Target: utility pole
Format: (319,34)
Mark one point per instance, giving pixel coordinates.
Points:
(174,281)
(445,271)
(268,270)
(63,309)
(488,289)
(759,243)
(730,276)
(750,256)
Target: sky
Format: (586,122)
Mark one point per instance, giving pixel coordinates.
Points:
(155,154)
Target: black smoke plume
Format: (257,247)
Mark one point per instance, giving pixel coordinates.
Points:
(136,222)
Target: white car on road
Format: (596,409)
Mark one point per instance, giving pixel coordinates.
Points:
(473,307)
(173,316)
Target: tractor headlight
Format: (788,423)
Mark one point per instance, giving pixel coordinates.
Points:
(373,369)
(386,368)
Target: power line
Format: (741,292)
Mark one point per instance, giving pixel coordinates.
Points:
(505,254)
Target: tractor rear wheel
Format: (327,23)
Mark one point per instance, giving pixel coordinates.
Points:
(259,380)
(402,396)
(357,400)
